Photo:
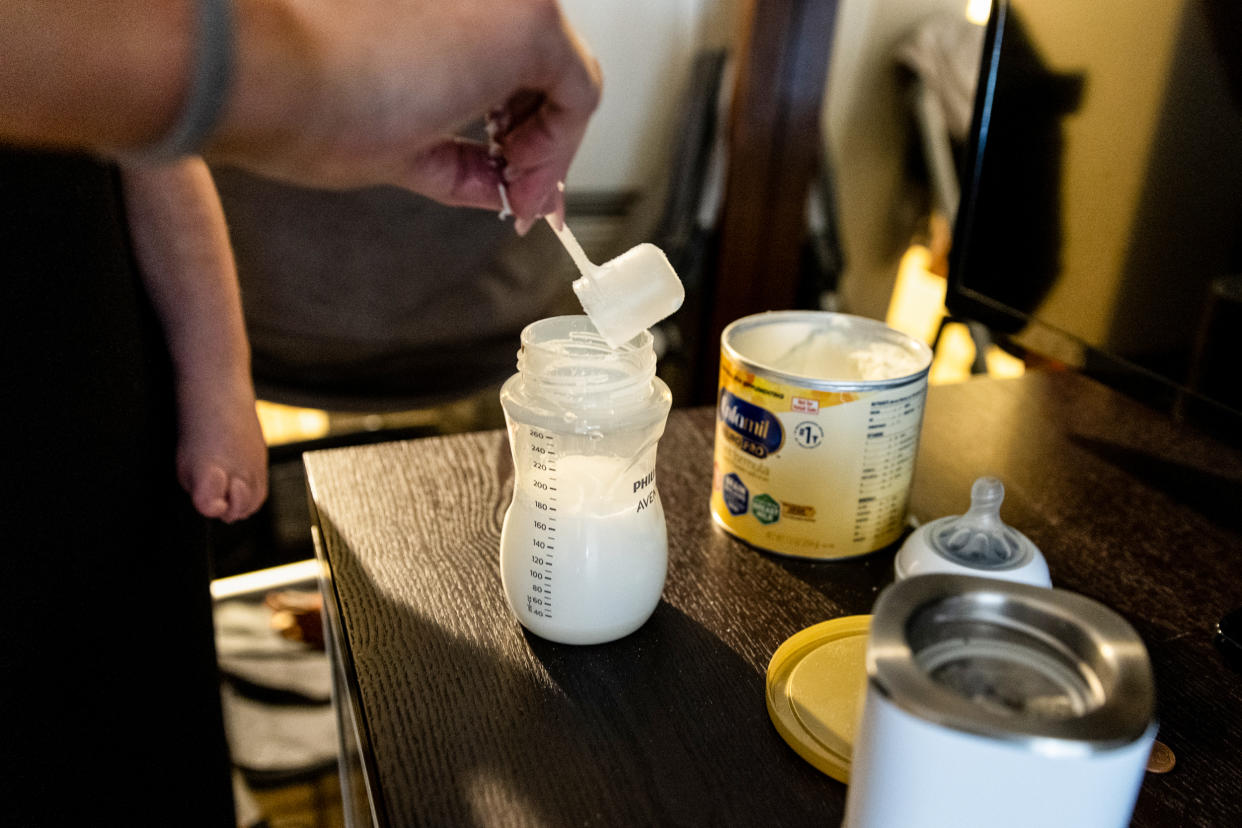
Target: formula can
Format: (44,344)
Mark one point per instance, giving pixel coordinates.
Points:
(817,428)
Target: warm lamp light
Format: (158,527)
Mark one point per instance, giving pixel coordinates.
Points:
(977,11)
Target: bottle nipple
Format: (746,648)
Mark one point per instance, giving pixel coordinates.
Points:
(979,538)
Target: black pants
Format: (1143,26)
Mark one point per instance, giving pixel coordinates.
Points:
(109,707)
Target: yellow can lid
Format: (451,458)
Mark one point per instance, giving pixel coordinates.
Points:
(815,687)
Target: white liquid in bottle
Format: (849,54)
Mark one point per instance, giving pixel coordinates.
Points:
(583,561)
(583,549)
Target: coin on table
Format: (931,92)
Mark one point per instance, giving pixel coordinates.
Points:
(1161,759)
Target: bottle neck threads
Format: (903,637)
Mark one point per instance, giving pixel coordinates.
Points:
(565,359)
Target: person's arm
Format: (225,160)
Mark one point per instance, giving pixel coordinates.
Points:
(323,93)
(96,74)
(181,243)
(183,251)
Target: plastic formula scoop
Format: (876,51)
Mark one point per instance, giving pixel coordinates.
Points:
(626,295)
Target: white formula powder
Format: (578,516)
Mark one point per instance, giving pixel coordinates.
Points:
(825,353)
(584,561)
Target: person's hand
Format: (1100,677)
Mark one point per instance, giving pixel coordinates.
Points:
(373,91)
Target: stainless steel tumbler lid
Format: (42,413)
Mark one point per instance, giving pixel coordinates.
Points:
(1010,661)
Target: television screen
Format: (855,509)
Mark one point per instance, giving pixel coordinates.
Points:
(1101,214)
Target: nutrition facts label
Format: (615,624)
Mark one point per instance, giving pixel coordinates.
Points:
(888,460)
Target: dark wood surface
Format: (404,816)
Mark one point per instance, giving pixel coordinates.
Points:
(467,720)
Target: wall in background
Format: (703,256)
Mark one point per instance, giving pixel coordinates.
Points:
(867,127)
(645,48)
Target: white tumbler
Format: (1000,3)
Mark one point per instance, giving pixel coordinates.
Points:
(991,703)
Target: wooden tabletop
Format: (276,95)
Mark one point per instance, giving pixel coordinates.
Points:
(464,719)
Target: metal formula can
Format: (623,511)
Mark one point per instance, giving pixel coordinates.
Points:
(817,428)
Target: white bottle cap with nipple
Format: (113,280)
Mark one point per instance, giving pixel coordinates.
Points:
(976,543)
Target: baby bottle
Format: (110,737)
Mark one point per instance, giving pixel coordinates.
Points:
(583,549)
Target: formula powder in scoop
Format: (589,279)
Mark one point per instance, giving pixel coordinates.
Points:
(626,295)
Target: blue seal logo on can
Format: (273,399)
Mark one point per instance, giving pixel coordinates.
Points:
(736,495)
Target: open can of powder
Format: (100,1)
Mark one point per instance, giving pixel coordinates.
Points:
(817,428)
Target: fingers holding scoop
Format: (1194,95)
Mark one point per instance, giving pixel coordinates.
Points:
(534,136)
(544,133)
